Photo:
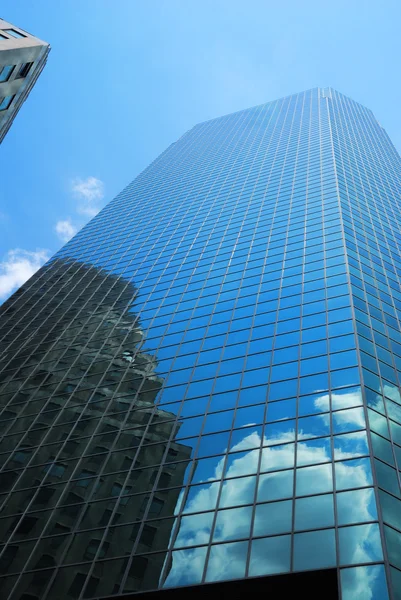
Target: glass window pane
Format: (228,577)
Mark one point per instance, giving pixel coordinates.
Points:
(237,491)
(194,530)
(393,543)
(353,474)
(272,518)
(278,457)
(348,420)
(360,544)
(232,524)
(357,506)
(316,426)
(350,445)
(313,451)
(186,567)
(227,561)
(274,486)
(364,583)
(314,512)
(396,583)
(314,550)
(5,72)
(270,555)
(314,480)
(346,398)
(391,509)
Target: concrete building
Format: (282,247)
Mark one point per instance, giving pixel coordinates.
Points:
(22,58)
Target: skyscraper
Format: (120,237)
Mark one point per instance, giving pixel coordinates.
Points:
(22,58)
(202,386)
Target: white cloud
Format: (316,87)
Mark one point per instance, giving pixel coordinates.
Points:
(90,193)
(17,266)
(65,230)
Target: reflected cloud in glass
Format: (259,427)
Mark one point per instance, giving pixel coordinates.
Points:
(350,445)
(357,506)
(360,544)
(272,518)
(315,426)
(314,480)
(313,451)
(270,555)
(232,524)
(314,550)
(314,512)
(353,474)
(364,583)
(186,567)
(227,561)
(348,420)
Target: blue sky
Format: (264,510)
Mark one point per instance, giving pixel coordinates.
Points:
(126,78)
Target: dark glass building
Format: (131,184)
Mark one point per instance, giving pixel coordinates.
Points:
(203,385)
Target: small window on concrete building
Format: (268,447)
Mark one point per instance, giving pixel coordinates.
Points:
(5,72)
(5,102)
(24,70)
(14,33)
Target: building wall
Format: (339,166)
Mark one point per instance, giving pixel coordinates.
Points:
(208,312)
(17,52)
(369,175)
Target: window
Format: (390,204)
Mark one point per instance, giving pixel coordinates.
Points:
(3,37)
(93,547)
(147,536)
(79,582)
(44,495)
(7,558)
(105,518)
(54,469)
(5,72)
(21,456)
(138,567)
(5,102)
(25,526)
(23,72)
(14,33)
(85,478)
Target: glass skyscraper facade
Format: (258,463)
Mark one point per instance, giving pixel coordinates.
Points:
(203,385)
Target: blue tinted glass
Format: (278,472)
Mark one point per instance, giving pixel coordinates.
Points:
(350,445)
(357,506)
(270,555)
(274,486)
(364,582)
(360,544)
(314,480)
(273,518)
(227,561)
(5,72)
(194,344)
(187,567)
(314,512)
(353,473)
(314,550)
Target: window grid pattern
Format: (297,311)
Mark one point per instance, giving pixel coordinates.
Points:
(180,390)
(369,172)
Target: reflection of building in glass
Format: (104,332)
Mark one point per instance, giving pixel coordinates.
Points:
(224,404)
(87,394)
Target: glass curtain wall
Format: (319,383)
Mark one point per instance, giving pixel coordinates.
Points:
(181,385)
